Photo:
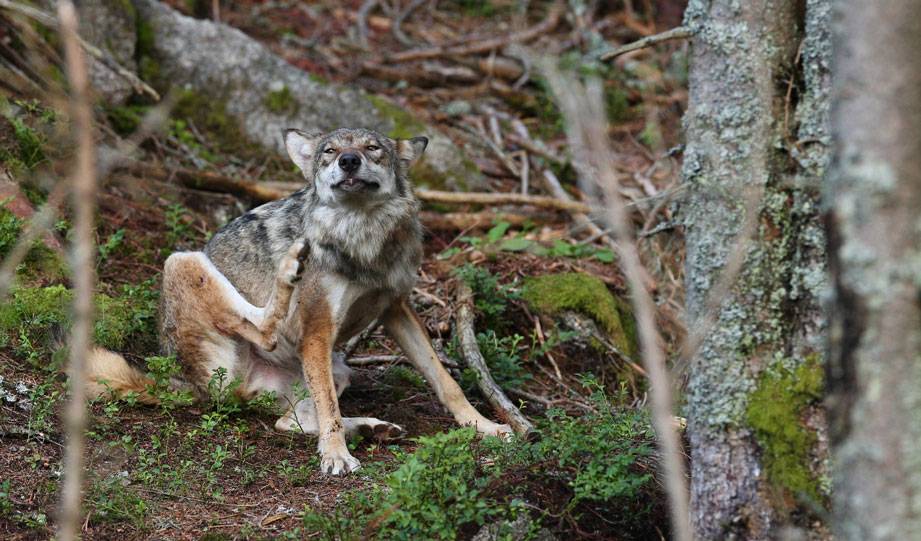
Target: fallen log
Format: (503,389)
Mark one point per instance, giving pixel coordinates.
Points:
(263,192)
(474,358)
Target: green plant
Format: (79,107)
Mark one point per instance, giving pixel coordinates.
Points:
(503,356)
(113,500)
(600,454)
(178,229)
(490,296)
(111,245)
(433,494)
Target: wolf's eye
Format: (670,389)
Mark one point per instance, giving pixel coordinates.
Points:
(372,148)
(329,151)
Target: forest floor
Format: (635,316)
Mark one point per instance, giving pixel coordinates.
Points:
(219,470)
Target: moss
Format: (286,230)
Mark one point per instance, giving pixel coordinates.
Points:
(405,125)
(555,293)
(774,412)
(40,262)
(33,315)
(148,65)
(125,119)
(281,101)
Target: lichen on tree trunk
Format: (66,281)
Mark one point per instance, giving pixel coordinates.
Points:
(756,131)
(873,194)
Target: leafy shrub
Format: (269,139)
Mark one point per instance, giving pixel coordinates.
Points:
(490,296)
(436,491)
(599,455)
(34,316)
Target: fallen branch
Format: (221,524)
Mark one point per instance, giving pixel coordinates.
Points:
(471,352)
(463,221)
(480,198)
(265,192)
(483,46)
(682,32)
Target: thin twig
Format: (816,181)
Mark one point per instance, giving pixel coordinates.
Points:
(681,32)
(583,109)
(471,352)
(84,200)
(362,21)
(398,22)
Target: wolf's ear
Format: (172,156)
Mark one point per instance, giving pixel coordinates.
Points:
(301,146)
(409,150)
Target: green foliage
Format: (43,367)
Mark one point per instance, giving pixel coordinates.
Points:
(578,292)
(162,370)
(490,296)
(114,501)
(35,315)
(433,494)
(111,245)
(401,376)
(281,101)
(178,229)
(598,454)
(503,356)
(495,240)
(775,412)
(29,150)
(125,119)
(40,261)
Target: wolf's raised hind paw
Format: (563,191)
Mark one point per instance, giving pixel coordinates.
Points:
(292,266)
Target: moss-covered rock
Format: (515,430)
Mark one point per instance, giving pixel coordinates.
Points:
(775,413)
(554,294)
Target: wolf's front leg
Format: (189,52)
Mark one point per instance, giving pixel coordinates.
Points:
(316,355)
(403,325)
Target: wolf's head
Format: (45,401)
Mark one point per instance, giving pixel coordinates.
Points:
(354,166)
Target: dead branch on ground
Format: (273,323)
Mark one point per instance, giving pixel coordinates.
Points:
(483,46)
(474,358)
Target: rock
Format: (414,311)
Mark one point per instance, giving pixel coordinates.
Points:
(517,530)
(110,25)
(267,95)
(18,204)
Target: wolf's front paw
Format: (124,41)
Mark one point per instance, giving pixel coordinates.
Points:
(338,462)
(494,429)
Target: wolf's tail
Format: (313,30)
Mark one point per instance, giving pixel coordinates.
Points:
(109,374)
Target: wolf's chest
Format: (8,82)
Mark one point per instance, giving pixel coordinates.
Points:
(353,306)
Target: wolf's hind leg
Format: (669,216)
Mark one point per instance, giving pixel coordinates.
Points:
(290,270)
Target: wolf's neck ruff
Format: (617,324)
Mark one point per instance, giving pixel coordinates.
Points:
(370,245)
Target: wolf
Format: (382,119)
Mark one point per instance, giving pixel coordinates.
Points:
(275,290)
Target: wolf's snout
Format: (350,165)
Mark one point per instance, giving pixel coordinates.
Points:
(349,162)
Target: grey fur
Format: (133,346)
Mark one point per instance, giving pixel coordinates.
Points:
(374,239)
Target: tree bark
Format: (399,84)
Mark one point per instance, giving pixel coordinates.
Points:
(874,193)
(756,150)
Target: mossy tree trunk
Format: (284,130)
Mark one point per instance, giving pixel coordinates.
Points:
(874,195)
(756,131)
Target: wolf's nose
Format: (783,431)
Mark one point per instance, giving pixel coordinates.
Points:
(349,162)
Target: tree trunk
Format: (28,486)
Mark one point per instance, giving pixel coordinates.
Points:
(874,194)
(756,141)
